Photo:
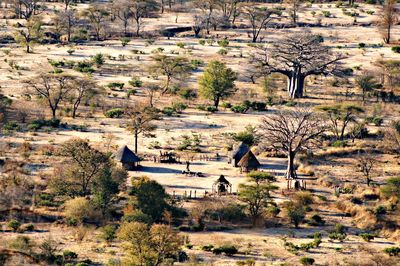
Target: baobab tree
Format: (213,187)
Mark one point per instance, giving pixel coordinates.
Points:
(388,17)
(297,57)
(291,132)
(259,19)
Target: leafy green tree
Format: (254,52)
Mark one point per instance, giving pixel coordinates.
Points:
(256,194)
(149,245)
(97,16)
(172,67)
(247,136)
(149,197)
(295,212)
(31,35)
(340,116)
(217,82)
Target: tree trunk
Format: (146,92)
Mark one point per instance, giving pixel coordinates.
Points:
(216,102)
(291,172)
(295,84)
(53,112)
(136,142)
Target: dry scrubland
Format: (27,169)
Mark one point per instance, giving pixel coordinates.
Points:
(30,157)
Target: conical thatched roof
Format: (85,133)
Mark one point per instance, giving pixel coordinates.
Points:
(240,151)
(249,160)
(222,179)
(125,155)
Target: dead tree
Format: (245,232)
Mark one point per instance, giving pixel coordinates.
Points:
(366,163)
(388,17)
(291,132)
(297,57)
(259,19)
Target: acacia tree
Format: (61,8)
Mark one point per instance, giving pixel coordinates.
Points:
(217,82)
(31,35)
(367,83)
(291,132)
(340,116)
(52,88)
(67,20)
(259,19)
(83,89)
(388,17)
(256,194)
(26,8)
(229,9)
(140,118)
(97,16)
(297,57)
(172,67)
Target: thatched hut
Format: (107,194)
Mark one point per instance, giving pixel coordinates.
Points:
(238,153)
(127,158)
(222,186)
(248,162)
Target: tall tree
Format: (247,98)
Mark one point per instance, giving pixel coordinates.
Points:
(217,82)
(367,83)
(67,21)
(230,10)
(97,16)
(142,9)
(259,18)
(31,35)
(340,116)
(172,67)
(291,132)
(124,13)
(52,88)
(388,17)
(207,8)
(26,8)
(297,57)
(83,89)
(256,194)
(294,8)
(140,118)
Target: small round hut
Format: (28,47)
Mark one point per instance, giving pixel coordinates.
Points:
(238,153)
(222,186)
(249,162)
(127,158)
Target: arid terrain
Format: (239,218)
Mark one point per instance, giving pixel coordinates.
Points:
(185,103)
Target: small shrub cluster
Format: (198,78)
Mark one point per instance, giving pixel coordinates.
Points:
(114,113)
(40,123)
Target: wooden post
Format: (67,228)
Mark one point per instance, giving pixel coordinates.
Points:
(190,194)
(195,194)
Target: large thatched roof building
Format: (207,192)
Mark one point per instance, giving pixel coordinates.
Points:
(238,153)
(248,162)
(127,158)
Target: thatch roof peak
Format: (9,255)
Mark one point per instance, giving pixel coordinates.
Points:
(249,160)
(125,155)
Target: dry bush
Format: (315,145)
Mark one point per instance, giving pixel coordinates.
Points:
(363,218)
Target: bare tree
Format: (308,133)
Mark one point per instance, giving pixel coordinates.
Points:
(294,8)
(83,89)
(259,19)
(66,21)
(366,163)
(230,10)
(207,7)
(297,57)
(67,3)
(124,13)
(26,8)
(52,88)
(291,132)
(151,90)
(97,16)
(198,25)
(140,118)
(388,17)
(142,9)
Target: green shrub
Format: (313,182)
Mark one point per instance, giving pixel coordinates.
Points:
(108,233)
(29,227)
(11,126)
(376,120)
(14,225)
(361,45)
(222,51)
(207,247)
(223,43)
(118,85)
(396,49)
(135,82)
(114,113)
(228,250)
(339,144)
(392,251)
(307,261)
(124,41)
(367,237)
(69,255)
(316,220)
